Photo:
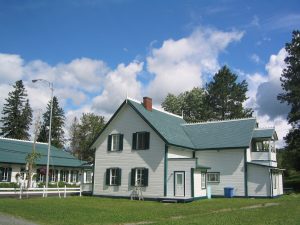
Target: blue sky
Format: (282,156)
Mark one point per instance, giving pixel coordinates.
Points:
(97,51)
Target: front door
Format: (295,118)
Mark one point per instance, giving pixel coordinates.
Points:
(179,184)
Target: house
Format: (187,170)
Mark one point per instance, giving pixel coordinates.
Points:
(63,166)
(168,158)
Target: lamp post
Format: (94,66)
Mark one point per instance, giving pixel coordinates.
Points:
(49,137)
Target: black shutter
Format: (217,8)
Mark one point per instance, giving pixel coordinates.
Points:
(1,173)
(121,142)
(147,140)
(119,173)
(145,177)
(133,177)
(9,174)
(134,135)
(107,176)
(109,143)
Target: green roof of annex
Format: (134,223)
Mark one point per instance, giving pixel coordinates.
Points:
(15,151)
(225,134)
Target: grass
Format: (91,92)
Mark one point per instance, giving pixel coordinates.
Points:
(93,210)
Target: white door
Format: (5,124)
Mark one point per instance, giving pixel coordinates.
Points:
(179,184)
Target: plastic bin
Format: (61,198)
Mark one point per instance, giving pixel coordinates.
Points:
(208,191)
(228,192)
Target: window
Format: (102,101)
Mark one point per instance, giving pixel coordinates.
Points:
(113,176)
(139,177)
(262,146)
(5,174)
(53,174)
(74,176)
(88,177)
(213,177)
(64,175)
(115,142)
(203,180)
(40,175)
(141,140)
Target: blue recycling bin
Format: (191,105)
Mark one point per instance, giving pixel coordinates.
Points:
(228,192)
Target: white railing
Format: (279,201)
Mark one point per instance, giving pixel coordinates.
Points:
(28,191)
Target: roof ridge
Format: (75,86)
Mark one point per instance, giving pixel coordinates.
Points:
(160,110)
(13,139)
(263,128)
(218,121)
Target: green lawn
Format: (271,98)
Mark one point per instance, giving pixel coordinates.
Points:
(93,210)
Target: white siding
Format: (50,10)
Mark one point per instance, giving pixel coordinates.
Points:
(279,187)
(127,122)
(198,191)
(180,165)
(230,164)
(258,181)
(174,152)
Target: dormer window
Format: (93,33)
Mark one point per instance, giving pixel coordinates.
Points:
(115,142)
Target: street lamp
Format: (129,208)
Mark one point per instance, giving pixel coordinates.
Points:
(49,137)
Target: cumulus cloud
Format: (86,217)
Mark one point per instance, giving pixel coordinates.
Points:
(180,65)
(11,68)
(117,85)
(266,97)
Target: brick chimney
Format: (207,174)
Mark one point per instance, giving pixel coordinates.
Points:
(147,103)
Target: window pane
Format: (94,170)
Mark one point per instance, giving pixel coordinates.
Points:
(115,138)
(179,179)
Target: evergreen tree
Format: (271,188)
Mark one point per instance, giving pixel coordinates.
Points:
(84,133)
(57,125)
(17,114)
(290,82)
(226,96)
(191,104)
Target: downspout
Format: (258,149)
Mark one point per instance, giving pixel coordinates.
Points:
(245,173)
(166,170)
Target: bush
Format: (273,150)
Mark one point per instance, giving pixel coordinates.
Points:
(9,185)
(54,185)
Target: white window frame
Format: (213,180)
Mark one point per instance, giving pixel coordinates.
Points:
(213,174)
(115,142)
(5,174)
(53,176)
(88,177)
(63,175)
(139,172)
(74,176)
(203,181)
(113,176)
(40,178)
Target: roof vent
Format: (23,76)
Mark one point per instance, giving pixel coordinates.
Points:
(147,102)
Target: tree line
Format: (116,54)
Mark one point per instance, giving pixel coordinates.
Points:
(17,116)
(222,98)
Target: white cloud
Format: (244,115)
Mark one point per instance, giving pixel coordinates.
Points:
(118,83)
(255,21)
(255,58)
(180,65)
(11,68)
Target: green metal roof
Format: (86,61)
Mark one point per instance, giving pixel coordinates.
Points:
(209,135)
(221,134)
(15,151)
(264,133)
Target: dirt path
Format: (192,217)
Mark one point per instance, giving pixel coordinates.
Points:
(10,220)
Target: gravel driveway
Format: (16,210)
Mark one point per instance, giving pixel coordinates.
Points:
(10,220)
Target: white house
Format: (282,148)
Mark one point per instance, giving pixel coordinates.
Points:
(169,158)
(63,166)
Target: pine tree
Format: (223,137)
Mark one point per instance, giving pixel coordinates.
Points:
(84,133)
(57,125)
(290,82)
(17,114)
(226,96)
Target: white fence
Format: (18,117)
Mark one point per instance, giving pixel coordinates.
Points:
(43,191)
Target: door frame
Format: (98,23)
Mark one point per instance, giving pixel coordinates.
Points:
(175,172)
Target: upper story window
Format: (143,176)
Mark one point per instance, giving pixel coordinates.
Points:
(263,146)
(113,176)
(115,142)
(213,177)
(139,177)
(5,174)
(141,140)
